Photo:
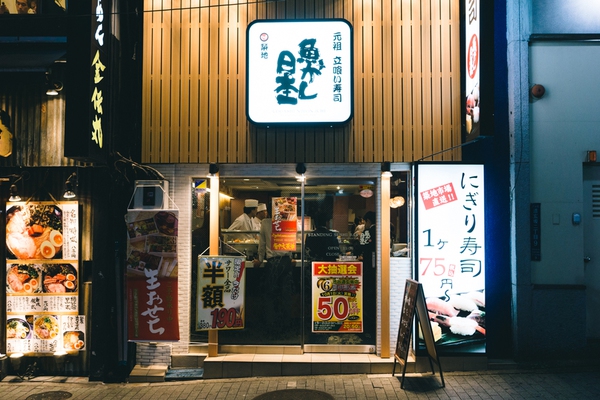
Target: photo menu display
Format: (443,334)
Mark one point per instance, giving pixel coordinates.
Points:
(42,278)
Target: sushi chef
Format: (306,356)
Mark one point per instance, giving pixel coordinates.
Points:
(244,221)
(261,213)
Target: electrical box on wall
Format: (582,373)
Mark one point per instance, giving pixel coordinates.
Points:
(151,194)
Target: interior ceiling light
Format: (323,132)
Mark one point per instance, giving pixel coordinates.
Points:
(366,193)
(397,201)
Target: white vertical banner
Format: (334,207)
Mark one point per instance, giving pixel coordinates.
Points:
(221,293)
(451,252)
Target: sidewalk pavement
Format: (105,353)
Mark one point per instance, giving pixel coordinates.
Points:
(522,381)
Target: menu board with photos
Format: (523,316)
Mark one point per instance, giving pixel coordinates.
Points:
(42,278)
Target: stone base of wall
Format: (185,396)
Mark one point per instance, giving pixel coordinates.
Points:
(148,354)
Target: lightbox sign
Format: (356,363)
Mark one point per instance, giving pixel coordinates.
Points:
(451,253)
(472,63)
(299,72)
(477,64)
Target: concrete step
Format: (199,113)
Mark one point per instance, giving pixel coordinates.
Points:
(149,373)
(191,360)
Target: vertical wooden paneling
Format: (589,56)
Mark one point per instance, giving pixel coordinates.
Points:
(397,81)
(239,109)
(377,79)
(166,55)
(417,76)
(406,75)
(213,81)
(437,105)
(387,81)
(367,81)
(194,127)
(427,49)
(184,83)
(173,78)
(205,100)
(406,88)
(223,58)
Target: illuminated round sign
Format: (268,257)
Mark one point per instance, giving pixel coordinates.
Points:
(366,193)
(473,56)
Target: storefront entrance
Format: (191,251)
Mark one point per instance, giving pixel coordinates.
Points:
(279,292)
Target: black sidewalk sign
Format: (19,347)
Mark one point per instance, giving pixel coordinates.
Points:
(414,303)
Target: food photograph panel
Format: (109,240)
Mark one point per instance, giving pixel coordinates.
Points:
(60,278)
(39,334)
(23,278)
(34,231)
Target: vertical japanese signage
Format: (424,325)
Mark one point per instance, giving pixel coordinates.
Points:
(337,297)
(478,34)
(152,275)
(472,63)
(299,72)
(88,111)
(451,253)
(42,278)
(98,73)
(221,288)
(283,224)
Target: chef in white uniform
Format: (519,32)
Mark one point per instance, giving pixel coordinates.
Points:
(244,221)
(261,213)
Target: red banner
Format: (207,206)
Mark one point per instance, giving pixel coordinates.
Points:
(152,309)
(284,224)
(152,312)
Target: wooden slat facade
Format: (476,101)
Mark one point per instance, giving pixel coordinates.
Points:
(406,83)
(37,122)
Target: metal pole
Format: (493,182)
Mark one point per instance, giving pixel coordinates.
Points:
(302,263)
(213,334)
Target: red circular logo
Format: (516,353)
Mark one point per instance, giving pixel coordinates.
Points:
(264,37)
(473,56)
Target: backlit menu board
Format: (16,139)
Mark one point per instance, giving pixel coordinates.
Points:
(42,278)
(299,72)
(450,258)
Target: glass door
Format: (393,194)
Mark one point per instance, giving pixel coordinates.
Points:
(284,304)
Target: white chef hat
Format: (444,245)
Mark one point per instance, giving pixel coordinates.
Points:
(251,203)
(261,207)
